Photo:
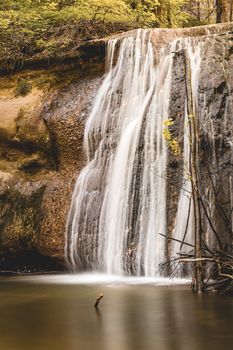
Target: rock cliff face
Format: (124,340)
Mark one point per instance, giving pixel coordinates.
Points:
(40,155)
(215,125)
(41,135)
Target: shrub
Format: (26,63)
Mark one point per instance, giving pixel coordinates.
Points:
(23,88)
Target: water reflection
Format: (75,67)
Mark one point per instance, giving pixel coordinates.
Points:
(40,316)
(98,315)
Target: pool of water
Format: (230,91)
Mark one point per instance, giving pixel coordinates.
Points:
(57,313)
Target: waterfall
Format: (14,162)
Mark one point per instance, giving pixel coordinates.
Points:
(119,204)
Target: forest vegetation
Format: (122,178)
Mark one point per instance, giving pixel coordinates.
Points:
(50,28)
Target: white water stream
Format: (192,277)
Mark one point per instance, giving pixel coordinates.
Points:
(119,203)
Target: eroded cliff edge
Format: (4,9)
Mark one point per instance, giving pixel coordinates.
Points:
(41,137)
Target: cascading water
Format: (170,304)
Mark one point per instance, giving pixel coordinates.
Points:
(119,203)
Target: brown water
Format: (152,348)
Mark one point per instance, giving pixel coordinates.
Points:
(36,315)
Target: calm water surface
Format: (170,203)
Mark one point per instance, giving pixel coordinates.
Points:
(36,314)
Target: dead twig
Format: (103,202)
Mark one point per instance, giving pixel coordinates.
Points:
(177,240)
(99,297)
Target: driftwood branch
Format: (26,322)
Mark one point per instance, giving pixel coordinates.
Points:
(171,182)
(226,275)
(99,297)
(195,259)
(223,274)
(187,224)
(177,240)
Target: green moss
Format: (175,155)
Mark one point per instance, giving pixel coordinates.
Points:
(21,215)
(23,88)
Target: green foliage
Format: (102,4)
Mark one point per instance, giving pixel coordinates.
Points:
(172,14)
(145,11)
(159,13)
(49,28)
(23,88)
(172,142)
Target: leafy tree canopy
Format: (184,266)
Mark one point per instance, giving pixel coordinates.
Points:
(49,27)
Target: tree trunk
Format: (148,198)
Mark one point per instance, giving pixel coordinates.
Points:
(225,10)
(199,11)
(218,11)
(169,19)
(231,10)
(221,11)
(193,166)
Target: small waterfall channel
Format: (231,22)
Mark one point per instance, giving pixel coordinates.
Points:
(119,203)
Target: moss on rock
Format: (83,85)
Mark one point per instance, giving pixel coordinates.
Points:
(21,215)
